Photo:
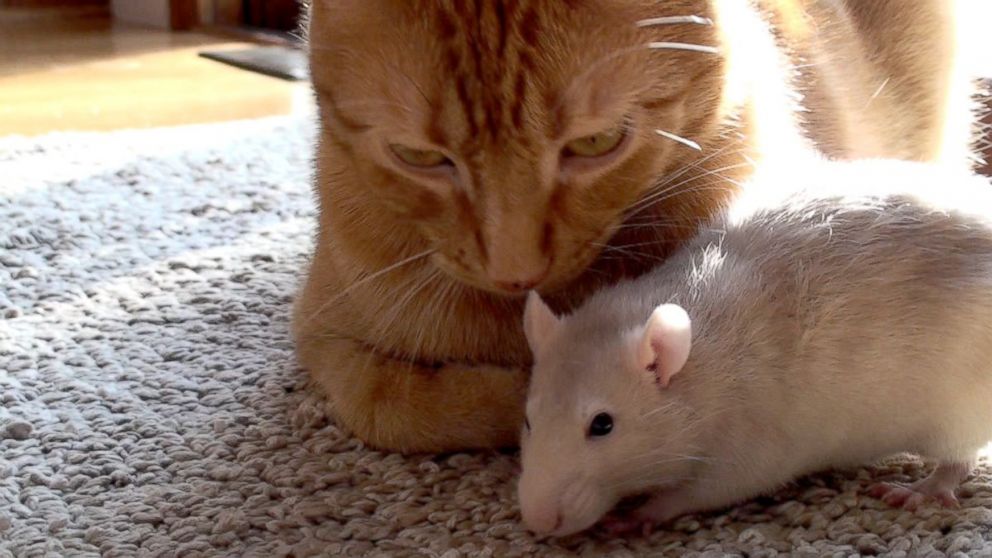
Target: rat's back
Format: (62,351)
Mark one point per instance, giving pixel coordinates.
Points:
(866,307)
(832,324)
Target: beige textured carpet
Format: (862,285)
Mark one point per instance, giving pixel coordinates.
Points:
(150,405)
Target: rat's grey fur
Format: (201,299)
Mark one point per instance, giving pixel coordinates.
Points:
(829,329)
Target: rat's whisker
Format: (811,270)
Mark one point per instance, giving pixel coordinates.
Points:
(659,462)
(672,456)
(664,45)
(686,142)
(646,472)
(659,409)
(642,479)
(675,20)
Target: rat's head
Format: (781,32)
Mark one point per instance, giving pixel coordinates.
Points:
(606,417)
(511,137)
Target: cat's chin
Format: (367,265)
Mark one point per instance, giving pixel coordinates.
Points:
(491,288)
(549,285)
(485,285)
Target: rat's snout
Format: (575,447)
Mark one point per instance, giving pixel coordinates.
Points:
(540,507)
(560,509)
(542,520)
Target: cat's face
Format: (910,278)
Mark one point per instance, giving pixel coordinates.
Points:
(513,134)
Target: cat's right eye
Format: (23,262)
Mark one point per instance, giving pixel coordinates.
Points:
(597,145)
(420,158)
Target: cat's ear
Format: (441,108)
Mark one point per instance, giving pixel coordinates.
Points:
(664,343)
(539,322)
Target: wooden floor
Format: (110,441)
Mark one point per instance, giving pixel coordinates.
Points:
(75,70)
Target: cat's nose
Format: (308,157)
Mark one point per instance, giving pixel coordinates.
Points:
(521,284)
(518,286)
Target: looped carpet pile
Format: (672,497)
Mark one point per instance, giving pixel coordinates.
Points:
(150,404)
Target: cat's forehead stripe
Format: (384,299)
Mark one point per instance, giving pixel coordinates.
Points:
(490,81)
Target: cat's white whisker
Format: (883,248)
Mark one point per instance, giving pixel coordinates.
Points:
(686,142)
(666,186)
(675,20)
(665,183)
(413,288)
(877,92)
(633,254)
(674,191)
(371,277)
(664,45)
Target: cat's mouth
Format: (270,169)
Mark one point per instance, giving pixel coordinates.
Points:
(546,277)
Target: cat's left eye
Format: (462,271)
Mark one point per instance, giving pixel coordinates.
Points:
(596,145)
(420,158)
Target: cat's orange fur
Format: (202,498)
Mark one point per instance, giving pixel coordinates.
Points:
(407,319)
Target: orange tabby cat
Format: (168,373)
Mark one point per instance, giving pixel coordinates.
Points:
(471,150)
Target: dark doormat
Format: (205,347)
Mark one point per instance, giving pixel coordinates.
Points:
(277,61)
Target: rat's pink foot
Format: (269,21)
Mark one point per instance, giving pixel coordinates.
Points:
(938,486)
(906,497)
(666,506)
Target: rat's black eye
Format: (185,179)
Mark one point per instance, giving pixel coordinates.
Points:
(601,425)
(527,424)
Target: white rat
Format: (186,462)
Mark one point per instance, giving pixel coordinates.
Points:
(828,329)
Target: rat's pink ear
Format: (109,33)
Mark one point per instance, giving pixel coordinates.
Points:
(665,343)
(539,322)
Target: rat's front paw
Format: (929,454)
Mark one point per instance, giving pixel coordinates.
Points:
(659,509)
(617,526)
